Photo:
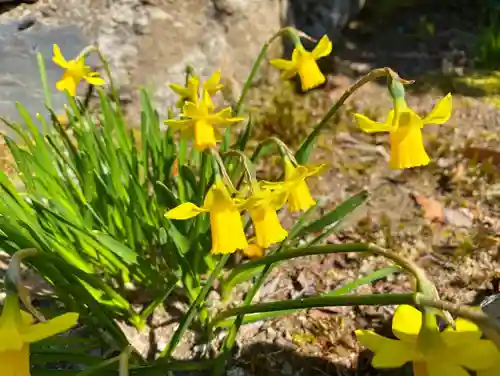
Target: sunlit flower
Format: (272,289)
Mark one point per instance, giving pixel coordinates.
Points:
(199,121)
(253,251)
(262,206)
(448,353)
(17,332)
(304,64)
(190,92)
(225,220)
(295,187)
(405,131)
(493,370)
(74,72)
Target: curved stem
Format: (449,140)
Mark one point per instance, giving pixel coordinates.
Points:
(298,252)
(305,149)
(304,303)
(247,165)
(255,67)
(13,280)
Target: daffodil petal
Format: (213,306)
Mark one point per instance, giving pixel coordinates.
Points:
(475,355)
(323,48)
(206,105)
(282,64)
(389,353)
(438,368)
(212,85)
(67,82)
(49,328)
(407,148)
(184,211)
(406,322)
(179,90)
(491,371)
(26,318)
(191,110)
(466,331)
(253,251)
(15,362)
(441,112)
(369,126)
(58,58)
(179,124)
(94,79)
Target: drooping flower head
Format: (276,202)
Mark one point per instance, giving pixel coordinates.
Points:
(294,188)
(304,64)
(225,219)
(262,206)
(17,332)
(74,71)
(405,131)
(446,353)
(199,121)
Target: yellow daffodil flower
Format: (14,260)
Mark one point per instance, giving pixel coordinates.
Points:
(190,92)
(74,72)
(451,352)
(225,220)
(253,251)
(304,64)
(262,206)
(200,121)
(405,131)
(494,370)
(298,195)
(17,331)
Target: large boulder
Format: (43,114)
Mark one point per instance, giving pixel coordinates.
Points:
(19,74)
(149,43)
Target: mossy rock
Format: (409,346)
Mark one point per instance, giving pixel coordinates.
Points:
(478,84)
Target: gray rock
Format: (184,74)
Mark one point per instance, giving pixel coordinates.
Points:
(19,74)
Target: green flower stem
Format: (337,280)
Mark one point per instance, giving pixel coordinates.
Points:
(14,282)
(302,155)
(294,35)
(293,253)
(248,167)
(336,248)
(195,306)
(107,69)
(489,327)
(325,301)
(219,166)
(282,148)
(255,67)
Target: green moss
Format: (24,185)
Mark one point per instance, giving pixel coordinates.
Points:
(478,83)
(282,112)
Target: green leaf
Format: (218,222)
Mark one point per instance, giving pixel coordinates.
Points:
(372,277)
(245,136)
(334,217)
(125,253)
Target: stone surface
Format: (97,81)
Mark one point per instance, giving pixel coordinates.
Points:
(19,74)
(149,43)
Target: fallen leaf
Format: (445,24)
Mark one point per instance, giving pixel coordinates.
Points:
(433,209)
(458,217)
